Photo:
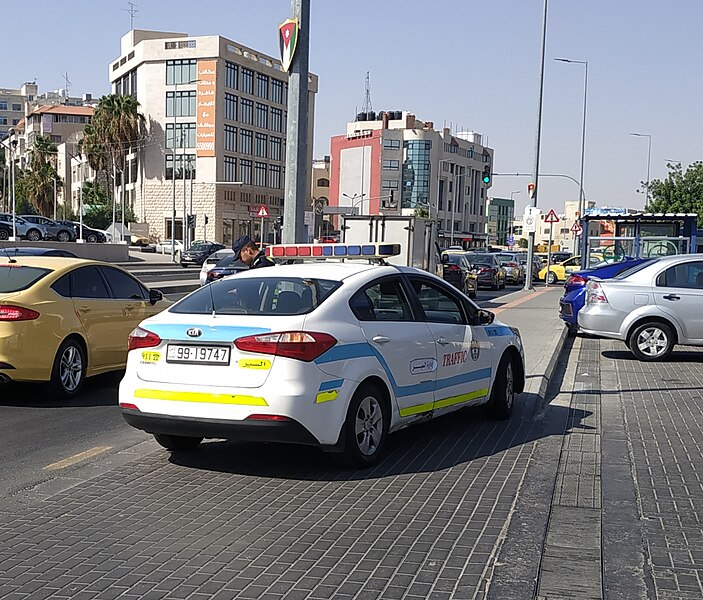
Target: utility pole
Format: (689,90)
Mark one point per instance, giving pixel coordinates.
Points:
(535,174)
(297,176)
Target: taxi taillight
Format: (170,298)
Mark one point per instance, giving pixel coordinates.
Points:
(300,345)
(141,338)
(8,312)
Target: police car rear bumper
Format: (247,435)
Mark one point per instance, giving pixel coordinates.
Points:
(287,431)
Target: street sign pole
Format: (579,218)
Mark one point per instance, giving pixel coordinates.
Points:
(549,255)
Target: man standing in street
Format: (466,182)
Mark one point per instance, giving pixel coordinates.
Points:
(248,253)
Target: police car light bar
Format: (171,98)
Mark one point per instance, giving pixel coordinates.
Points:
(322,251)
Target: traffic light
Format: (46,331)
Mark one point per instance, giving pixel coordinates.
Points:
(191,221)
(487,174)
(207,220)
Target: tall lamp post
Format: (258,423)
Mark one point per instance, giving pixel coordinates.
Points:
(583,128)
(356,199)
(649,161)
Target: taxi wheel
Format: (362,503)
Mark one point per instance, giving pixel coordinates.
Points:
(500,404)
(177,442)
(68,372)
(366,427)
(552,277)
(651,341)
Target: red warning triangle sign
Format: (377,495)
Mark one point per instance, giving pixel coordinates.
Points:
(263,212)
(551,217)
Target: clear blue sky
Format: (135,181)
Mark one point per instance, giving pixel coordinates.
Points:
(474,64)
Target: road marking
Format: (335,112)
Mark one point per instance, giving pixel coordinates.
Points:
(76,458)
(519,301)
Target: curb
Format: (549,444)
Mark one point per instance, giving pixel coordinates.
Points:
(551,365)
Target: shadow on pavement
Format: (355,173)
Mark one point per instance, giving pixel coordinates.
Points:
(683,356)
(100,390)
(434,446)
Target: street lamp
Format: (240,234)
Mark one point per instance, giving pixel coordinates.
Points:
(649,160)
(354,201)
(583,128)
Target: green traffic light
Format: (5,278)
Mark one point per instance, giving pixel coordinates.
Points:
(486,179)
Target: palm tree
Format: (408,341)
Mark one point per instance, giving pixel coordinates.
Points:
(42,175)
(117,127)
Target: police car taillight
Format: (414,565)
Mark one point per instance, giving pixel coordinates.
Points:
(300,345)
(141,338)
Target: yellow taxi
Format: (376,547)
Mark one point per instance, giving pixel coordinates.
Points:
(560,271)
(65,319)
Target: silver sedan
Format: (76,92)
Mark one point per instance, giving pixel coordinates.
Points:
(651,307)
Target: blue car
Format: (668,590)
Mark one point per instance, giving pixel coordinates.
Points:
(575,288)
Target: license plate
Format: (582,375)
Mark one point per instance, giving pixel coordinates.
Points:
(208,355)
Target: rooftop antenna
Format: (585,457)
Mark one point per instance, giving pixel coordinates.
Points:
(132,10)
(367,107)
(67,83)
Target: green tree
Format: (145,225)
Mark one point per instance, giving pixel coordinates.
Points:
(98,207)
(116,129)
(680,192)
(39,180)
(523,243)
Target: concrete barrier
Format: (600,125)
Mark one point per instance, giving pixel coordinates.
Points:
(118,252)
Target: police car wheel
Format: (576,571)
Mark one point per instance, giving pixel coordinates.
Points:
(500,405)
(366,427)
(177,442)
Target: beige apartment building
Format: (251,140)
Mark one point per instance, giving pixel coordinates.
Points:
(393,163)
(216,111)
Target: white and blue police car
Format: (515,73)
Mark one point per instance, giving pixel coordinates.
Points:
(327,351)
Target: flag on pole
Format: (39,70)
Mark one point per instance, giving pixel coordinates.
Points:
(287,40)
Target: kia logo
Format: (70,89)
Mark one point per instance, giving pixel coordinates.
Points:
(194,332)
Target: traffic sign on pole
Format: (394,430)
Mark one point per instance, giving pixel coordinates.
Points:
(531,190)
(551,217)
(576,228)
(263,212)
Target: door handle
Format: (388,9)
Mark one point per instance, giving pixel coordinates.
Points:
(84,309)
(442,341)
(672,297)
(381,339)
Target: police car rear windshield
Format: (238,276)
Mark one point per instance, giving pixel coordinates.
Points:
(15,278)
(261,296)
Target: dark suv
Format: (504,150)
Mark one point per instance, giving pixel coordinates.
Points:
(198,252)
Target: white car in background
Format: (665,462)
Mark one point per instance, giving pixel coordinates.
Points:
(165,246)
(331,354)
(211,261)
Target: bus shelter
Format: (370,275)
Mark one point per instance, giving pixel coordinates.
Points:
(614,237)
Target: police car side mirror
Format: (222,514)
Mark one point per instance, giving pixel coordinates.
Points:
(484,317)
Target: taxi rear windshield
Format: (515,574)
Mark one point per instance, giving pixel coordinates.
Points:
(15,278)
(260,296)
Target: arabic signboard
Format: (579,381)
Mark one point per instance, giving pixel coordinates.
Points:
(205,108)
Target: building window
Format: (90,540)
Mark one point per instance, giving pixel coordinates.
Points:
(184,104)
(246,139)
(230,138)
(15,121)
(389,144)
(185,164)
(16,107)
(3,105)
(276,148)
(245,171)
(181,71)
(389,184)
(275,177)
(262,116)
(261,145)
(230,107)
(260,174)
(230,173)
(3,120)
(416,173)
(246,81)
(323,182)
(391,165)
(277,120)
(262,86)
(247,113)
(277,91)
(231,75)
(185,135)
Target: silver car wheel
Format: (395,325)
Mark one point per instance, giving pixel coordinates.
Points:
(368,427)
(71,368)
(652,341)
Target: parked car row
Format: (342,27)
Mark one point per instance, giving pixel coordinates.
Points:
(36,228)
